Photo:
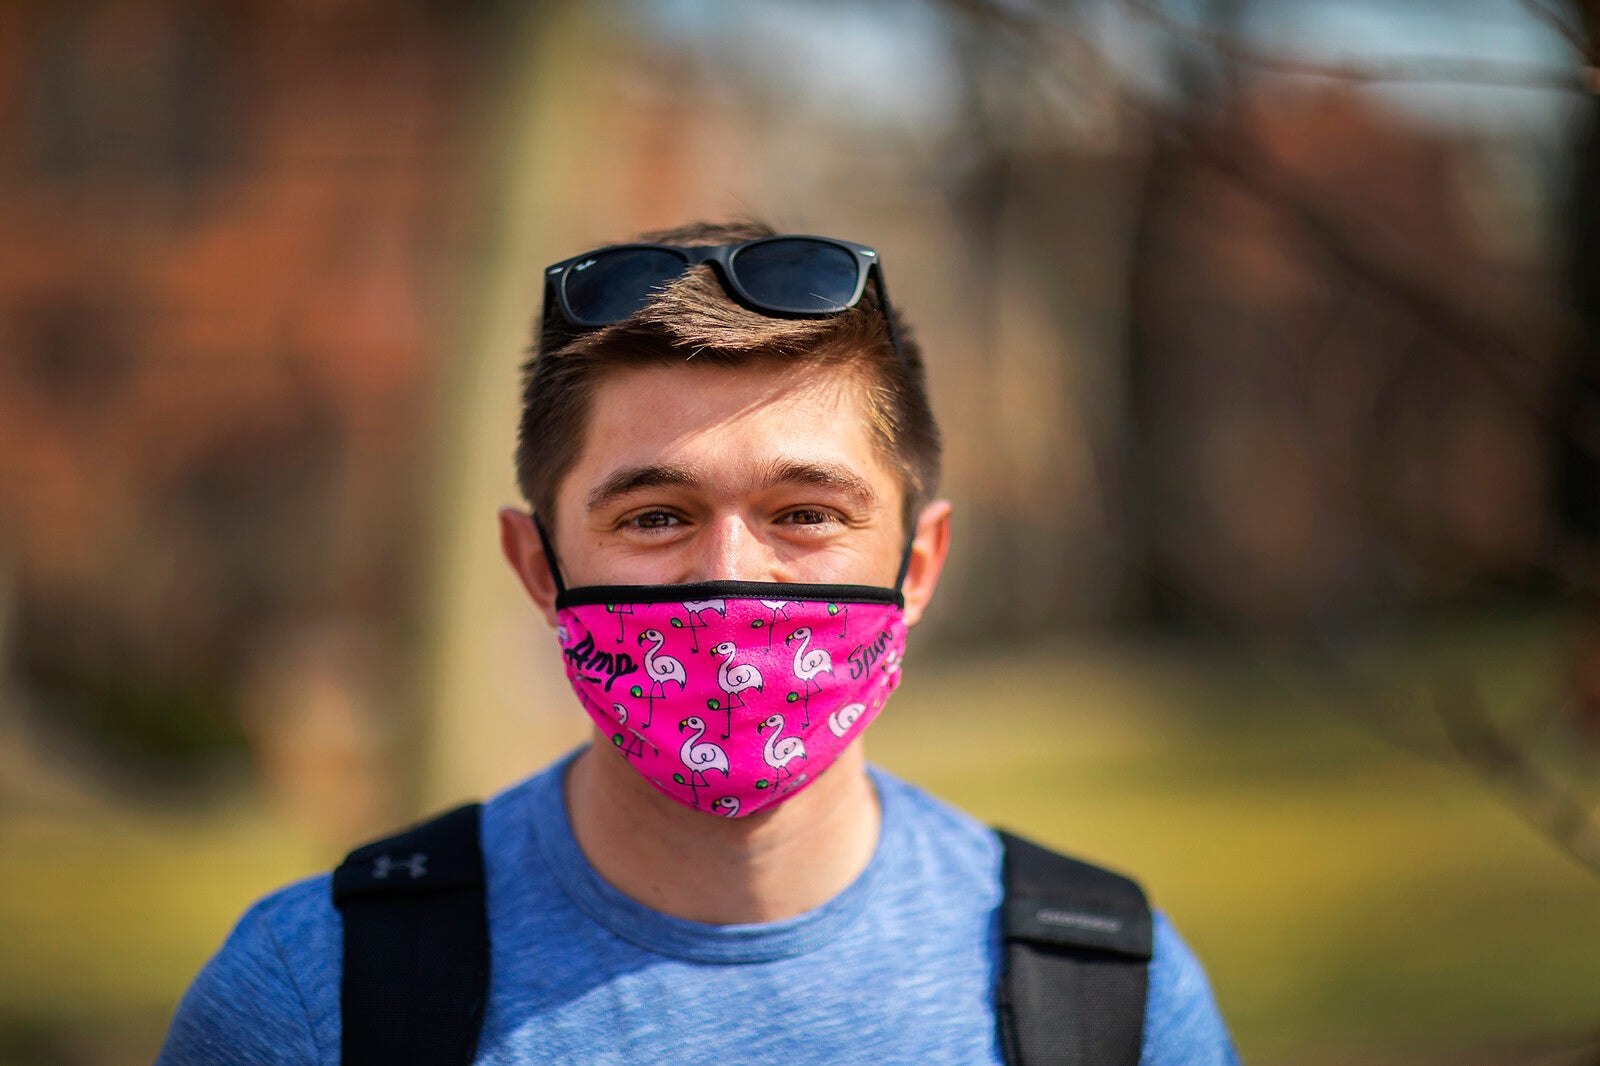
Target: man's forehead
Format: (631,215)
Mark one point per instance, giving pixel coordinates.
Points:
(647,409)
(681,423)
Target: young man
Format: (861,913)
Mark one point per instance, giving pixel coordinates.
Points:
(731,461)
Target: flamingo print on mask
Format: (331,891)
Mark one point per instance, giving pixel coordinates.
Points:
(698,757)
(776,607)
(692,620)
(619,609)
(634,747)
(779,753)
(734,680)
(807,665)
(660,668)
(765,753)
(841,720)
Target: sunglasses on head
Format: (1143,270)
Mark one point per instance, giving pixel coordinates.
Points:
(783,275)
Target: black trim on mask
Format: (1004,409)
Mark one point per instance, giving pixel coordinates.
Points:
(793,592)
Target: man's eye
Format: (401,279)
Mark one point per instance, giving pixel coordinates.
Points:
(653,520)
(807,517)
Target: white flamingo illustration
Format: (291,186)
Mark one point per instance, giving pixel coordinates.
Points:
(693,608)
(635,747)
(734,679)
(727,806)
(841,720)
(777,607)
(807,665)
(661,668)
(698,757)
(780,750)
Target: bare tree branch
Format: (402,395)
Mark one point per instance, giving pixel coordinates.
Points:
(1459,731)
(1589,12)
(1031,30)
(1492,349)
(1535,794)
(1412,69)
(1583,46)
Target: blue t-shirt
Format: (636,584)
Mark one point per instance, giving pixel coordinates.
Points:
(900,967)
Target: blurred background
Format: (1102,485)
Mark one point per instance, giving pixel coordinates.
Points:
(1265,333)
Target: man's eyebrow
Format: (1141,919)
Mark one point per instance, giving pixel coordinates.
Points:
(632,478)
(822,475)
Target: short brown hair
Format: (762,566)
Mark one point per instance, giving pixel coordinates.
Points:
(695,317)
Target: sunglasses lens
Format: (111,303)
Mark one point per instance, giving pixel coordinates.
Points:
(609,287)
(798,276)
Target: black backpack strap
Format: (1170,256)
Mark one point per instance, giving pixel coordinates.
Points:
(1077,947)
(416,945)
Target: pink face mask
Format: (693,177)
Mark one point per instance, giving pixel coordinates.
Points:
(730,696)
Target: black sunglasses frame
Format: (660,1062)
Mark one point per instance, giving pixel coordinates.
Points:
(724,257)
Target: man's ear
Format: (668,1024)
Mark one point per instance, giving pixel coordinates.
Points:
(523,549)
(928,551)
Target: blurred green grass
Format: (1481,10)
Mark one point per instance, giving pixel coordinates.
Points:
(1352,902)
(106,917)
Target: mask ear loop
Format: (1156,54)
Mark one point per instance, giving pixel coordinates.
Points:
(875,275)
(550,555)
(905,563)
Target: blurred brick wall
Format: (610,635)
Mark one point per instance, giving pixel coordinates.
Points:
(230,233)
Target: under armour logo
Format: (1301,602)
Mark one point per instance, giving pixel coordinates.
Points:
(416,865)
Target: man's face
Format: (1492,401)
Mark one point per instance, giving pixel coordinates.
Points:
(758,472)
(706,473)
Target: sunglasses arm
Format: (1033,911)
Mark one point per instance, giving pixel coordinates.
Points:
(876,273)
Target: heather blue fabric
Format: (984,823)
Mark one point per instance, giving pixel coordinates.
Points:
(898,968)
